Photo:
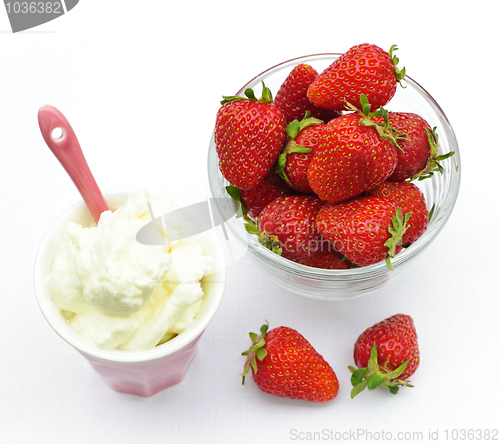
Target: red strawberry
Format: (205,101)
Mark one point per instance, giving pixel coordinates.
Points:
(366,230)
(363,69)
(285,364)
(409,199)
(292,98)
(255,199)
(351,158)
(293,162)
(287,227)
(387,354)
(249,136)
(419,157)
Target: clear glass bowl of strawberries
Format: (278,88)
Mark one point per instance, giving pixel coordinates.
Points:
(335,171)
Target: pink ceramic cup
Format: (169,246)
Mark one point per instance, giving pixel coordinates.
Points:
(142,373)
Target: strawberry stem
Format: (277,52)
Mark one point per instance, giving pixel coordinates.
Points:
(266,97)
(235,193)
(384,130)
(432,165)
(399,73)
(373,376)
(293,129)
(398,228)
(271,242)
(256,351)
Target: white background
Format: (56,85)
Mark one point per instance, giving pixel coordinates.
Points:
(141,83)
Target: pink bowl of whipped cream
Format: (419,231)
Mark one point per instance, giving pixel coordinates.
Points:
(136,312)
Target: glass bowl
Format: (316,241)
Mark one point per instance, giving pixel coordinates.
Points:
(440,191)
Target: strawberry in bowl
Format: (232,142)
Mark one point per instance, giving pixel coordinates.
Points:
(352,155)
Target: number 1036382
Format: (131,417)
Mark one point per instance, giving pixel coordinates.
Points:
(471,434)
(34,7)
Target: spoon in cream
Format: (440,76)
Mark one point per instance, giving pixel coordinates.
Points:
(61,139)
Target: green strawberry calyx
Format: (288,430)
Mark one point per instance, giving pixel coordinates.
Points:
(399,73)
(433,162)
(293,129)
(396,230)
(375,375)
(267,96)
(256,351)
(271,242)
(384,130)
(235,193)
(431,211)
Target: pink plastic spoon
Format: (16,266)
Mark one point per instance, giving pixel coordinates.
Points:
(66,148)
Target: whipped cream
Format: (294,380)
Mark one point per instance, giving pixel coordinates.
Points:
(121,294)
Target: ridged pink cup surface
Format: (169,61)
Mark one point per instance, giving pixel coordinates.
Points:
(145,378)
(142,373)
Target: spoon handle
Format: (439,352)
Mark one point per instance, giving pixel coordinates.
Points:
(67,150)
